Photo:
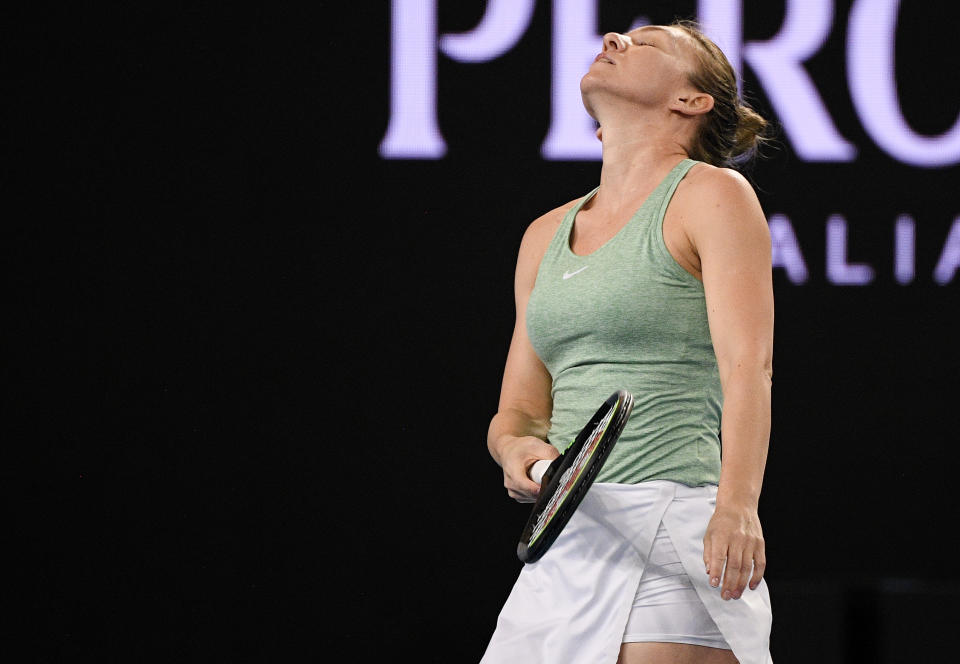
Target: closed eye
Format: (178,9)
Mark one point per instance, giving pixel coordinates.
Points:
(637,41)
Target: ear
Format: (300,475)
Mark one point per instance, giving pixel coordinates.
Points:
(694,103)
(600,133)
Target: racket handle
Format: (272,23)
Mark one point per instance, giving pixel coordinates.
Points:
(538,469)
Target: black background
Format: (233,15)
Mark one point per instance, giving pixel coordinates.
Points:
(251,363)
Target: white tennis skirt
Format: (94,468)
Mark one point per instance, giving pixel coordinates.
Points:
(573,604)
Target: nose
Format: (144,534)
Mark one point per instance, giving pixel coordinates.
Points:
(614,41)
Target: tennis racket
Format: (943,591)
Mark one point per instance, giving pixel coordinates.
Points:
(565,480)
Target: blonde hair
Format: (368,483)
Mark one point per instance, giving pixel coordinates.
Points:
(732,132)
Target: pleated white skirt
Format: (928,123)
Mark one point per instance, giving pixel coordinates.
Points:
(572,605)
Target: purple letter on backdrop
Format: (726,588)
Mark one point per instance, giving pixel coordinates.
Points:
(873,88)
(904,262)
(839,271)
(949,257)
(412,132)
(786,250)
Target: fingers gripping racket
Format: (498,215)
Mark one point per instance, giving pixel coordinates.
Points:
(565,480)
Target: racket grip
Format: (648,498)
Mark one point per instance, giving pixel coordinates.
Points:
(538,469)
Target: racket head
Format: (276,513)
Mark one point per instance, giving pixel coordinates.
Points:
(571,474)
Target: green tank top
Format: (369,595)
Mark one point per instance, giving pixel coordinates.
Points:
(627,316)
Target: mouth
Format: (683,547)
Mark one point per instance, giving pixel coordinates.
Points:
(603,58)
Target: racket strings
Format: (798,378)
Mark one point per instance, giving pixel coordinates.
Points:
(570,475)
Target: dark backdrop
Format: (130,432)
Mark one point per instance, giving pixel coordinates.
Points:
(252,362)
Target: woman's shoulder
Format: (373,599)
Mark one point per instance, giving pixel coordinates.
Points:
(542,229)
(718,200)
(718,182)
(553,218)
(537,238)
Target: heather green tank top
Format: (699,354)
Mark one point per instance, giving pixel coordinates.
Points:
(627,316)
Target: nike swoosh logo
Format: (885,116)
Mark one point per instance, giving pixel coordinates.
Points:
(567,275)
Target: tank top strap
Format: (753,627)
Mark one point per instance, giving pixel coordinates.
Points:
(666,189)
(572,212)
(561,236)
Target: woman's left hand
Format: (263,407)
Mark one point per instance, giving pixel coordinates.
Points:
(734,537)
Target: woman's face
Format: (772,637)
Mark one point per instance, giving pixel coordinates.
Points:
(648,66)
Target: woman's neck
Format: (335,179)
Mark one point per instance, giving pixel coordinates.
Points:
(636,158)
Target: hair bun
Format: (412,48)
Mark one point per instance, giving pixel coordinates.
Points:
(750,134)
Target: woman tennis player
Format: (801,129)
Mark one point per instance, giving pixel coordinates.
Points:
(657,282)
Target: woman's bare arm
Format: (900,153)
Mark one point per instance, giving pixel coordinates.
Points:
(517,434)
(730,236)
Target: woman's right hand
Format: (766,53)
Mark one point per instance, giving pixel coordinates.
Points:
(517,457)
